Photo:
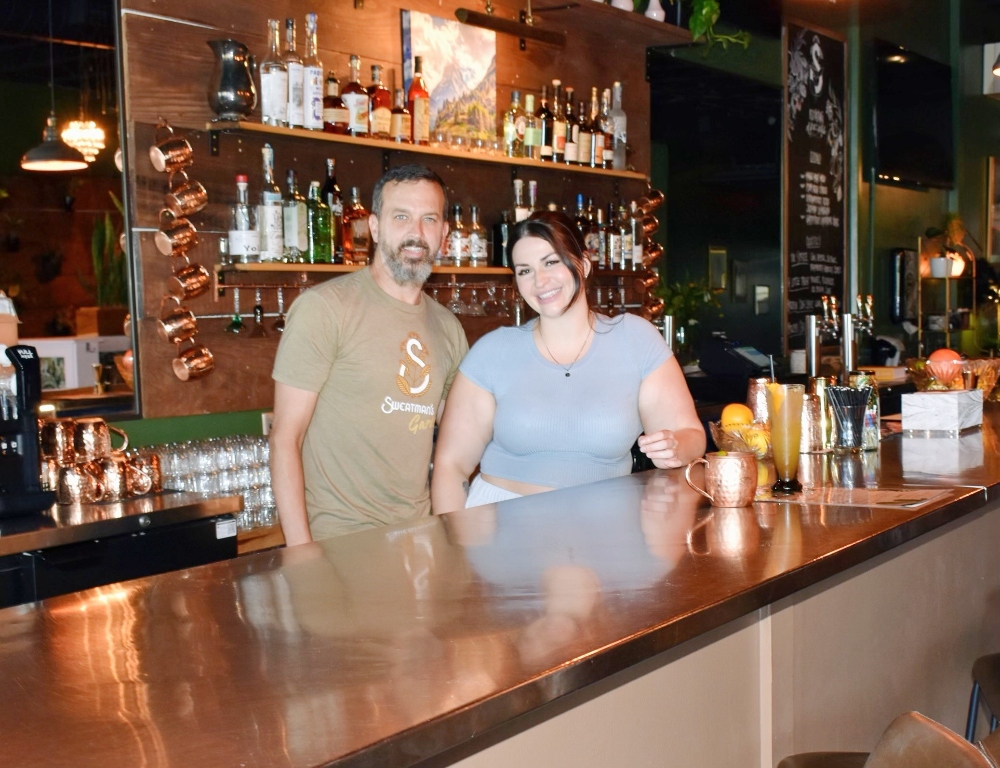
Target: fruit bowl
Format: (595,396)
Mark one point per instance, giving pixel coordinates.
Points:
(747,437)
(943,375)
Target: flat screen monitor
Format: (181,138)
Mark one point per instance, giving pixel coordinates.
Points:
(913,133)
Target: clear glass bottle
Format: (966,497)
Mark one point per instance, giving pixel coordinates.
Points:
(532,131)
(521,211)
(580,217)
(312,79)
(477,240)
(544,117)
(293,63)
(355,97)
(270,212)
(244,238)
(513,127)
(379,106)
(571,153)
(418,103)
(558,123)
(593,240)
(638,236)
(357,235)
(585,134)
(295,219)
(273,80)
(624,259)
(596,154)
(501,231)
(610,237)
(619,122)
(458,239)
(400,127)
(336,115)
(607,130)
(330,195)
(533,196)
(317,227)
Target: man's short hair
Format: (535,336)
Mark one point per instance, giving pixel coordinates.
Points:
(404,173)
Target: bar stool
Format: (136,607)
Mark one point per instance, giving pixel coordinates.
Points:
(991,746)
(985,688)
(910,741)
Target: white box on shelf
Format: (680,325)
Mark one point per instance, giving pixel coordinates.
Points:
(942,413)
(68,361)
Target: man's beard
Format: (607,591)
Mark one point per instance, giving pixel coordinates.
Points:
(406,271)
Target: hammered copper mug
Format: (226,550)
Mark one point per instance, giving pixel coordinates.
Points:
(78,485)
(194,363)
(189,282)
(92,438)
(178,325)
(185,197)
(177,235)
(114,473)
(730,478)
(172,153)
(56,440)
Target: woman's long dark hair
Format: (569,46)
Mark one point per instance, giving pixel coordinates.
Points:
(559,231)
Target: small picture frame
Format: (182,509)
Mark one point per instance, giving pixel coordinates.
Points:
(761,299)
(718,268)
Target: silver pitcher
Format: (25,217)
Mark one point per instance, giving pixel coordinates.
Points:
(232,94)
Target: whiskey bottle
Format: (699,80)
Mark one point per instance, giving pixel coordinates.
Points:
(355,97)
(594,238)
(585,135)
(558,123)
(612,240)
(501,232)
(273,80)
(312,80)
(357,235)
(607,129)
(379,106)
(293,64)
(619,123)
(317,227)
(625,238)
(638,236)
(400,126)
(580,218)
(521,211)
(533,196)
(336,116)
(458,239)
(477,240)
(571,154)
(532,133)
(244,238)
(418,102)
(294,218)
(544,117)
(596,148)
(330,195)
(513,127)
(270,212)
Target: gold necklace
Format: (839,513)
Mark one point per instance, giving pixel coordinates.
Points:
(590,330)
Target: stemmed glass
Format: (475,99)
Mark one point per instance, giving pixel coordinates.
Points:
(491,306)
(474,307)
(236,323)
(258,331)
(455,304)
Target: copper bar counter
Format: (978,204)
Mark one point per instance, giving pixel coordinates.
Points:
(622,623)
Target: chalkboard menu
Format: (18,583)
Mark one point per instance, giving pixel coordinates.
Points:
(815,188)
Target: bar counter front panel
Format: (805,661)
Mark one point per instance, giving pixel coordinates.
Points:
(621,623)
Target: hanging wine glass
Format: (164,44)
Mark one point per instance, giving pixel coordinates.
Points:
(258,331)
(236,322)
(474,307)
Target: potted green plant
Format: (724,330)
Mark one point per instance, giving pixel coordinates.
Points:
(702,19)
(109,285)
(687,303)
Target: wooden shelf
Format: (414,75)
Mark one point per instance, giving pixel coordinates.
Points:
(244,126)
(280,266)
(614,24)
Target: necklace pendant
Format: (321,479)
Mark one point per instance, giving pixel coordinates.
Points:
(567,374)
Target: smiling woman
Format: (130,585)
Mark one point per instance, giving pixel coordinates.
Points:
(559,401)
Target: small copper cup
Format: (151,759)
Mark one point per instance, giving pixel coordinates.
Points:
(650,224)
(114,469)
(77,484)
(185,197)
(178,325)
(189,282)
(652,251)
(177,235)
(148,465)
(56,441)
(194,363)
(650,201)
(757,399)
(172,153)
(137,477)
(730,478)
(92,438)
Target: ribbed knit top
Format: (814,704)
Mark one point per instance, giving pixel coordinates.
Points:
(555,430)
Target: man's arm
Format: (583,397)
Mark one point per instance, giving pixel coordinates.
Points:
(293,410)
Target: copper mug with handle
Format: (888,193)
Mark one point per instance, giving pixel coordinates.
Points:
(114,473)
(137,476)
(185,197)
(171,153)
(730,478)
(56,441)
(189,282)
(177,235)
(92,438)
(78,484)
(178,325)
(194,363)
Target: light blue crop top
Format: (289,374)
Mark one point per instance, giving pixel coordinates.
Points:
(555,430)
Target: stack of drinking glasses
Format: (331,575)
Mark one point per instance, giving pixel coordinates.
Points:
(224,466)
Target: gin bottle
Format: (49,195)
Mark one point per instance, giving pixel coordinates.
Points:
(295,218)
(269,212)
(317,227)
(296,112)
(273,80)
(312,79)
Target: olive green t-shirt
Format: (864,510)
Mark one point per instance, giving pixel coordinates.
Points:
(381,368)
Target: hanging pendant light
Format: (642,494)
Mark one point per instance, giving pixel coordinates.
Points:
(86,136)
(53,154)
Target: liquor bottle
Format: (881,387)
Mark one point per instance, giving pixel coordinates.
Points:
(273,80)
(357,235)
(317,227)
(625,238)
(602,240)
(418,102)
(379,106)
(356,99)
(501,231)
(477,240)
(521,211)
(593,237)
(513,127)
(270,212)
(580,219)
(558,123)
(244,238)
(296,112)
(619,124)
(330,195)
(336,116)
(638,236)
(312,80)
(458,239)
(532,133)
(400,126)
(607,129)
(295,220)
(544,116)
(532,196)
(585,134)
(596,155)
(571,154)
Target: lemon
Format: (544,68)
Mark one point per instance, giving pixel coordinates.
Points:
(735,415)
(756,440)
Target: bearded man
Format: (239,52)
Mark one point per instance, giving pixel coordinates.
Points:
(361,374)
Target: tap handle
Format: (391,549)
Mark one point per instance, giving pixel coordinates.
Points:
(825,301)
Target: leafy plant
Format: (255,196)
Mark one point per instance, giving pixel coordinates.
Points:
(686,302)
(702,19)
(110,284)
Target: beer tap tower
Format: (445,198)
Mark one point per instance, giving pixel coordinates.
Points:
(818,326)
(853,326)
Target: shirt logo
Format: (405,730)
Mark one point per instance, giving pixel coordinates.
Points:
(414,376)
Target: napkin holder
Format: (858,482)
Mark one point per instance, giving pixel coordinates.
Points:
(941,414)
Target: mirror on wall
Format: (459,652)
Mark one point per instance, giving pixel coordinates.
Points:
(61,254)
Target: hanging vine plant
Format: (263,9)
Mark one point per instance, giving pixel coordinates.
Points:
(702,19)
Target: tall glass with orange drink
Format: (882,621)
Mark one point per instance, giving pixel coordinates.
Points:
(784,411)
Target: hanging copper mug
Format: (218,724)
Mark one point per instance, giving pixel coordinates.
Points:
(194,363)
(177,325)
(172,153)
(185,197)
(189,282)
(177,235)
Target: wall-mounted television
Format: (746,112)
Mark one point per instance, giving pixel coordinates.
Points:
(913,133)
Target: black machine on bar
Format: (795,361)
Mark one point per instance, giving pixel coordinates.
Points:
(20,486)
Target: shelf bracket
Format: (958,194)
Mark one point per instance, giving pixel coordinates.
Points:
(385,161)
(213,143)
